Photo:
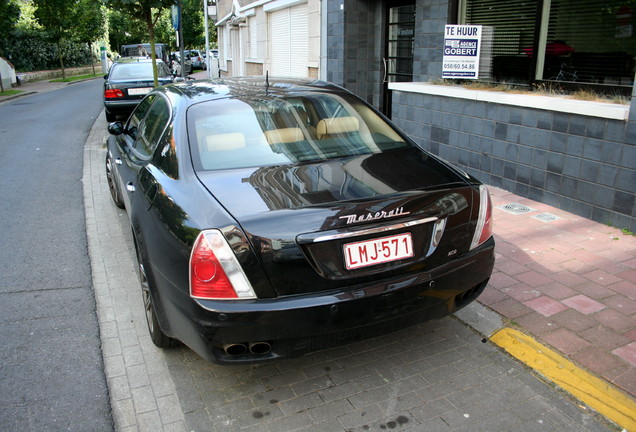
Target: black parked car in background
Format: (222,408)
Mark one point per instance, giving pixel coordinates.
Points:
(272,218)
(127,82)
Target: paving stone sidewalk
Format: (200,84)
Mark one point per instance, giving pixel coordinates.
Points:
(569,282)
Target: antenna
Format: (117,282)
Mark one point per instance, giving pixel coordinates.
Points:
(266,81)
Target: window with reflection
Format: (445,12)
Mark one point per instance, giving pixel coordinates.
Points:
(590,43)
(250,131)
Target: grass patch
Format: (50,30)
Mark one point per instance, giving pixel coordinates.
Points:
(77,78)
(10,92)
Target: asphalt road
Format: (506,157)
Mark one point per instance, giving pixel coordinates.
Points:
(51,367)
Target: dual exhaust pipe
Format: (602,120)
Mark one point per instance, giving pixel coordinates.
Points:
(258,348)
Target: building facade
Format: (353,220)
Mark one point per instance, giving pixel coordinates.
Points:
(574,154)
(275,37)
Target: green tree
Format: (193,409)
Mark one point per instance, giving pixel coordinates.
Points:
(91,24)
(9,14)
(58,18)
(27,19)
(122,30)
(149,12)
(193,31)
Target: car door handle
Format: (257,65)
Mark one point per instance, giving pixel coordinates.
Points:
(118,161)
(130,187)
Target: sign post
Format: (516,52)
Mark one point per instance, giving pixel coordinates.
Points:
(462,45)
(104,59)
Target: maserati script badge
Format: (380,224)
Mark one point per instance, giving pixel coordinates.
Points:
(375,216)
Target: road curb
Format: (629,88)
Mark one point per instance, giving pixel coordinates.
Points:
(480,318)
(15,96)
(48,84)
(142,391)
(598,394)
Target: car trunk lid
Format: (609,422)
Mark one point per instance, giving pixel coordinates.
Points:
(323,225)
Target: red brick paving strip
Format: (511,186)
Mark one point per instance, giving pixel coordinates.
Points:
(570,283)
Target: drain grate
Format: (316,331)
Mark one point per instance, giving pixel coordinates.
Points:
(546,217)
(515,208)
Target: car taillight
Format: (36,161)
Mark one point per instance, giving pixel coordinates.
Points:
(113,93)
(483,231)
(215,273)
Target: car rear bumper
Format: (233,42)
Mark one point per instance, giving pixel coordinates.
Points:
(224,332)
(121,106)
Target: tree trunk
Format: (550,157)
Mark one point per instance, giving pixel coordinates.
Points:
(153,53)
(90,49)
(61,56)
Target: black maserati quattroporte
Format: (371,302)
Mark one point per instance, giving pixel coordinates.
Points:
(272,218)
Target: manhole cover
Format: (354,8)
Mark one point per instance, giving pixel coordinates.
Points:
(546,217)
(515,208)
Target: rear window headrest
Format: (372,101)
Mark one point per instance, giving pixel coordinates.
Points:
(284,135)
(337,125)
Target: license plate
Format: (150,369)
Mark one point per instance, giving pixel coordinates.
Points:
(378,251)
(139,91)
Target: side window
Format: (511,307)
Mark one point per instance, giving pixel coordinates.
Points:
(152,127)
(138,115)
(166,154)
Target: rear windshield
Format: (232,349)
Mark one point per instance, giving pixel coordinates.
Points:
(254,131)
(124,71)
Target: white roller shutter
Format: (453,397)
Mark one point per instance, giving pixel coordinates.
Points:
(253,42)
(290,41)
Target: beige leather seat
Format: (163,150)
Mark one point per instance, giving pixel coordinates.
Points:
(284,135)
(337,125)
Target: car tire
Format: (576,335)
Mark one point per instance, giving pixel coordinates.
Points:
(115,193)
(110,117)
(157,336)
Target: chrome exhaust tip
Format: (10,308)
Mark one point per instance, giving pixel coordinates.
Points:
(235,348)
(259,347)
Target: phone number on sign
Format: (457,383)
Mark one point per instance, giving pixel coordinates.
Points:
(451,66)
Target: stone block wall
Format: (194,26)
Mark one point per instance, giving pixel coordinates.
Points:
(581,164)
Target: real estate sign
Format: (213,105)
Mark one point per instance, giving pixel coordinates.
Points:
(462,44)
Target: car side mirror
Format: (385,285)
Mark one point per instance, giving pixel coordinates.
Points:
(115,128)
(106,76)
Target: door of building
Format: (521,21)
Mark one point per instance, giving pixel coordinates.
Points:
(398,55)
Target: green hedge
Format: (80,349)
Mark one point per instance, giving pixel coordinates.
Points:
(31,52)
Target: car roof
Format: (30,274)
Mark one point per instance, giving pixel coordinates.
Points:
(212,89)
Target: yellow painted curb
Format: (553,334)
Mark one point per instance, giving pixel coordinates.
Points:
(594,392)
